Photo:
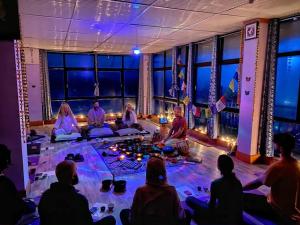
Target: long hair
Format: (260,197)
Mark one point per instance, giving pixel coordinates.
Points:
(65,107)
(128,111)
(156,172)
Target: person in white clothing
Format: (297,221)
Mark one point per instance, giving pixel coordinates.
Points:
(96,116)
(66,122)
(129,117)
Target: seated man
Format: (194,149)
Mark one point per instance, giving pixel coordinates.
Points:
(283,202)
(155,203)
(178,131)
(12,207)
(226,198)
(62,204)
(96,116)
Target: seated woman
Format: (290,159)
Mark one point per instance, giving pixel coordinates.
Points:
(96,116)
(178,131)
(156,202)
(129,117)
(226,198)
(66,122)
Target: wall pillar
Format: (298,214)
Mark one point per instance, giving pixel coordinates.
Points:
(254,54)
(12,113)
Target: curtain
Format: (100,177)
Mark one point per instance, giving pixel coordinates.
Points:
(149,93)
(188,112)
(140,106)
(212,123)
(46,98)
(266,120)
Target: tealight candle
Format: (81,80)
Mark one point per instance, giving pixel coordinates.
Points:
(122,157)
(139,159)
(127,153)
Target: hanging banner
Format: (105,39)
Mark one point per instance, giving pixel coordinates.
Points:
(186,100)
(221,104)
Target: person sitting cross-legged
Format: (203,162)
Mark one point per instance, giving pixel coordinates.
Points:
(12,206)
(155,203)
(96,116)
(179,128)
(283,177)
(62,204)
(226,198)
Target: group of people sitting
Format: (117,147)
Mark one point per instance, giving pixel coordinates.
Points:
(66,122)
(157,202)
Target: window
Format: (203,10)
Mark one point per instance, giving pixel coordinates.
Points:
(182,61)
(287,88)
(201,80)
(73,76)
(228,59)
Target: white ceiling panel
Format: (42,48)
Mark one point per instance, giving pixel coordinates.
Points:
(46,34)
(106,11)
(96,38)
(147,2)
(47,8)
(76,49)
(146,31)
(84,44)
(35,24)
(212,6)
(42,43)
(172,18)
(219,23)
(129,40)
(268,8)
(190,35)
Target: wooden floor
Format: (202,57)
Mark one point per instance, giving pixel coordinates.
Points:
(93,170)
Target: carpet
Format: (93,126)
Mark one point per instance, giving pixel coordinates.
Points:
(129,165)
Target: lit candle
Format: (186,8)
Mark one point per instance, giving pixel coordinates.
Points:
(122,157)
(127,153)
(139,159)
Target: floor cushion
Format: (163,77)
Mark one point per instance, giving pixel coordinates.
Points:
(67,137)
(101,132)
(127,131)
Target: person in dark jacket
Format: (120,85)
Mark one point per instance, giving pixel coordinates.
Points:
(226,199)
(155,203)
(62,204)
(12,206)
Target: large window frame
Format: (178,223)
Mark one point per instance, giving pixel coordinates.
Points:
(95,69)
(221,62)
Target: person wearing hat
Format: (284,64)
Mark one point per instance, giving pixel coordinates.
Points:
(156,202)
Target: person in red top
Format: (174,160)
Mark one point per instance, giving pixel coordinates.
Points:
(178,131)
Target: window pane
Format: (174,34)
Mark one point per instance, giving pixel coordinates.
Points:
(55,60)
(109,83)
(158,83)
(132,101)
(292,128)
(131,62)
(289,39)
(229,123)
(80,106)
(55,107)
(202,84)
(80,60)
(112,105)
(231,47)
(204,52)
(81,83)
(201,122)
(287,87)
(182,54)
(227,73)
(109,61)
(158,60)
(158,107)
(180,81)
(56,79)
(131,83)
(169,58)
(168,83)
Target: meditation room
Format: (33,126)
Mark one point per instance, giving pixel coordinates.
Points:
(150,112)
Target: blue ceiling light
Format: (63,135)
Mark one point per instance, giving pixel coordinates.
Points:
(136,51)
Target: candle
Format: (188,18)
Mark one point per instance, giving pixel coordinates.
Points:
(127,153)
(139,159)
(122,157)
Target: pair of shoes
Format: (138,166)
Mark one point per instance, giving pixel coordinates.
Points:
(76,158)
(119,186)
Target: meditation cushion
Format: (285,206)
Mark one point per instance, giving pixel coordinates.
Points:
(127,131)
(67,137)
(101,132)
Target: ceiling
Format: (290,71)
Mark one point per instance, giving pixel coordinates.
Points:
(117,26)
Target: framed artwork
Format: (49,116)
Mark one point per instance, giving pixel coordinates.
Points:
(251,31)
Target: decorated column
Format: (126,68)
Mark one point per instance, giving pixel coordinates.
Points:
(254,54)
(212,122)
(188,108)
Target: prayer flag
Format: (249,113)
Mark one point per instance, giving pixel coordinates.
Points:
(231,85)
(221,104)
(186,100)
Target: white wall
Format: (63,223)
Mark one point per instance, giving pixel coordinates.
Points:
(32,62)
